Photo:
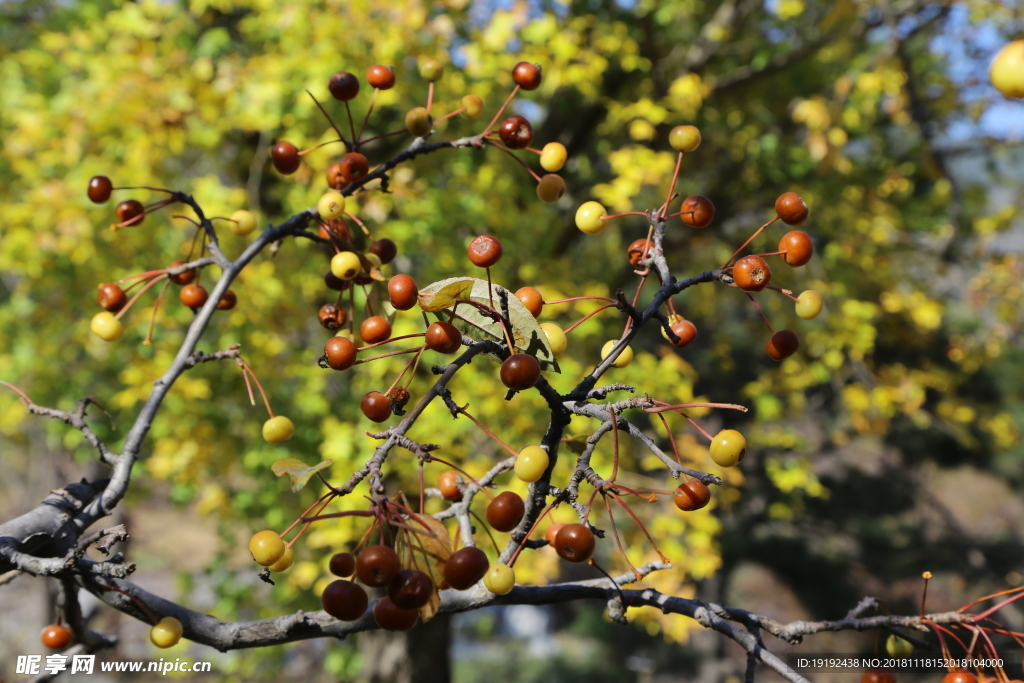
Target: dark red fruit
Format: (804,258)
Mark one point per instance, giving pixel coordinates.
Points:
(465,567)
(332,316)
(228,301)
(877,676)
(402,291)
(193,296)
(111,297)
(56,637)
(797,246)
(375,329)
(286,157)
(341,353)
(751,274)
(686,331)
(184,277)
(381,77)
(520,371)
(575,542)
(506,511)
(791,208)
(516,132)
(385,250)
(411,589)
(484,251)
(697,211)
(448,483)
(354,167)
(782,345)
(343,564)
(532,299)
(552,531)
(443,337)
(692,495)
(636,250)
(335,177)
(526,75)
(334,282)
(344,600)
(377,565)
(959,677)
(130,212)
(376,406)
(343,86)
(100,188)
(390,618)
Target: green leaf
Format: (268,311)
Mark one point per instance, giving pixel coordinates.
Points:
(298,470)
(526,333)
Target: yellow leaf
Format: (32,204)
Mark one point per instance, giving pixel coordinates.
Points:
(447,296)
(297,470)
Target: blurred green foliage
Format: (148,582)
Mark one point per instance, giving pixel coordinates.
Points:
(837,101)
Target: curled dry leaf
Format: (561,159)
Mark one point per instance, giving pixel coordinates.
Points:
(299,471)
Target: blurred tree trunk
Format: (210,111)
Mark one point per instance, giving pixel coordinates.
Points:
(421,655)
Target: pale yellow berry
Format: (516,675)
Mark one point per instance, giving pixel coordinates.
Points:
(346,265)
(473,105)
(625,357)
(242,222)
(107,327)
(166,633)
(500,579)
(728,448)
(266,547)
(278,429)
(553,156)
(588,218)
(331,205)
(285,562)
(556,338)
(684,138)
(1007,70)
(809,304)
(531,463)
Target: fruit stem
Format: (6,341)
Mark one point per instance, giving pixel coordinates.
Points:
(749,240)
(448,116)
(620,215)
(415,366)
(665,406)
(640,524)
(615,446)
(622,598)
(362,129)
(507,151)
(497,116)
(384,135)
(671,438)
(522,543)
(989,597)
(784,292)
(245,367)
(672,187)
(487,528)
(586,317)
(579,298)
(148,341)
(134,599)
(488,431)
(430,96)
(352,125)
(414,359)
(304,152)
(144,187)
(24,398)
(388,341)
(758,307)
(361,225)
(386,355)
(694,423)
(148,273)
(618,540)
(636,297)
(329,119)
(329,496)
(138,294)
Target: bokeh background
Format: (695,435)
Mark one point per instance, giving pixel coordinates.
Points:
(889,445)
